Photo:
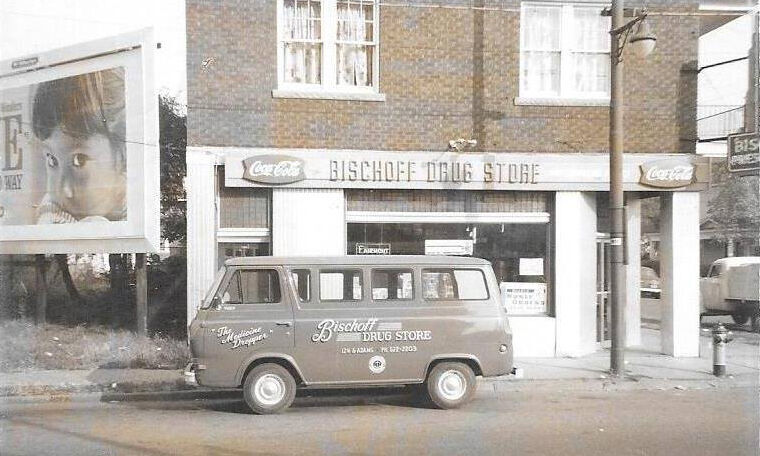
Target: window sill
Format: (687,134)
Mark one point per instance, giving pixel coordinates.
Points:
(328,95)
(582,102)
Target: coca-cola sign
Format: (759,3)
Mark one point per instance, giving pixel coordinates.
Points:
(667,173)
(273,169)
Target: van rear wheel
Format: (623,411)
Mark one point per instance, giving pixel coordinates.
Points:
(451,385)
(269,388)
(740,318)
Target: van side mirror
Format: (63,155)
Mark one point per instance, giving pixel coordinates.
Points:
(216,303)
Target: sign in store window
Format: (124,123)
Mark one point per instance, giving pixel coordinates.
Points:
(524,298)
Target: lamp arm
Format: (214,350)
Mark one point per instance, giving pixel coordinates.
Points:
(623,31)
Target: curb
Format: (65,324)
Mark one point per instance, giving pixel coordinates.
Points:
(177,390)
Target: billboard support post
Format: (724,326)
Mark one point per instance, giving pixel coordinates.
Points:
(141,277)
(41,279)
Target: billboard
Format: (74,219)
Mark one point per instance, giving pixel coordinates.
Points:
(79,149)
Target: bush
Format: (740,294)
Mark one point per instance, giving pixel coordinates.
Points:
(24,346)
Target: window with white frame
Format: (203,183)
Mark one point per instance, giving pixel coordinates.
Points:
(564,51)
(328,45)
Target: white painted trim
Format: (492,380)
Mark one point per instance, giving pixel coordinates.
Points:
(446,217)
(559,101)
(329,95)
(198,155)
(243,235)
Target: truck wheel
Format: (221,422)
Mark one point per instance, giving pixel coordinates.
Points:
(451,385)
(739,318)
(269,388)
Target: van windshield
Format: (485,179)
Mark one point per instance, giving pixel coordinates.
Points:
(212,289)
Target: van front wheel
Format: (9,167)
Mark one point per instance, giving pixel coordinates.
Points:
(269,388)
(451,385)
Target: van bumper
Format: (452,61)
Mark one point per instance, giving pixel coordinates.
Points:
(190,374)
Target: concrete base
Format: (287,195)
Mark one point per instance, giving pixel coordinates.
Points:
(533,336)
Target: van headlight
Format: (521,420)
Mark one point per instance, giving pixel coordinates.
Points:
(503,348)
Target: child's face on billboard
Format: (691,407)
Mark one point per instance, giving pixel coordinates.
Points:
(83,175)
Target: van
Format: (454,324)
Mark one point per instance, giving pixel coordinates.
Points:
(270,325)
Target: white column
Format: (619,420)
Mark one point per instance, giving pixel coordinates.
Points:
(201,226)
(575,273)
(308,222)
(679,273)
(633,272)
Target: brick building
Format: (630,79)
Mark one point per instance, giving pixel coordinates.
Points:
(475,127)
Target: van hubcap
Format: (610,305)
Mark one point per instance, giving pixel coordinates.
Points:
(269,389)
(452,385)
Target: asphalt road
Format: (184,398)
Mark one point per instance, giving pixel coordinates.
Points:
(527,422)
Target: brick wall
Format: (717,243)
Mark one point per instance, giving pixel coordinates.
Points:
(446,73)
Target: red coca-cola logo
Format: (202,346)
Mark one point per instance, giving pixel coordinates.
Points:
(668,173)
(273,169)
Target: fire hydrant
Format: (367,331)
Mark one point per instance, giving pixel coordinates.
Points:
(720,336)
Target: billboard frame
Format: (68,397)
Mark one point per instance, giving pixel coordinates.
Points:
(140,232)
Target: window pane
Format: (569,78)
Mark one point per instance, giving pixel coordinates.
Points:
(590,29)
(454,284)
(302,20)
(302,279)
(471,284)
(232,293)
(541,29)
(438,284)
(541,72)
(392,285)
(303,63)
(353,18)
(354,65)
(591,72)
(340,286)
(260,286)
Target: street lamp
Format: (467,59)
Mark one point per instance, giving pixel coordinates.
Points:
(643,42)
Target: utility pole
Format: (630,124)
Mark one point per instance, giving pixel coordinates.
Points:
(643,41)
(617,268)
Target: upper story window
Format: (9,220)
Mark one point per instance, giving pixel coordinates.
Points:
(327,46)
(564,51)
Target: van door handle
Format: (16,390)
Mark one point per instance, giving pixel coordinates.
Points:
(287,324)
(203,324)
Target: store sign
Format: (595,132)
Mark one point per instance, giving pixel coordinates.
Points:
(524,298)
(434,170)
(744,152)
(363,248)
(668,173)
(273,169)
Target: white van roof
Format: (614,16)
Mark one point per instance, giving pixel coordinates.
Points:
(435,260)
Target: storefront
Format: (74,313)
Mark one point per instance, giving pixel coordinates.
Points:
(533,216)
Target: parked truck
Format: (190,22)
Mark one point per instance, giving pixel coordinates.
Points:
(731,288)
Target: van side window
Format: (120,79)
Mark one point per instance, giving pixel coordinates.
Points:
(302,280)
(260,286)
(715,270)
(340,285)
(454,284)
(392,284)
(232,294)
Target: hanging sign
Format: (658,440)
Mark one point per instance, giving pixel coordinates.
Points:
(744,152)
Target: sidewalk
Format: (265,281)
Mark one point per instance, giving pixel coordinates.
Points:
(646,369)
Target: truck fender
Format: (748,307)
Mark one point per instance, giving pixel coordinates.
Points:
(473,361)
(260,355)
